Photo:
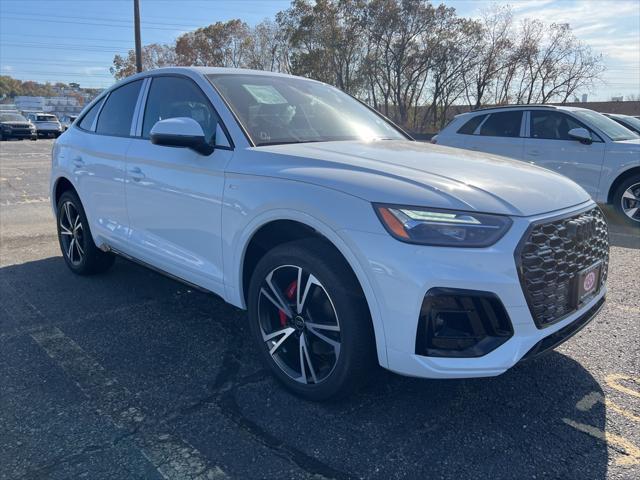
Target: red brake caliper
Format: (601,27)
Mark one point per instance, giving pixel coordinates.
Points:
(289,292)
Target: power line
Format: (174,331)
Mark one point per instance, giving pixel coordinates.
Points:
(48,61)
(91,23)
(57,46)
(80,38)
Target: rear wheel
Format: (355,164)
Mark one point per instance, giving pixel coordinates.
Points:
(80,253)
(310,320)
(626,200)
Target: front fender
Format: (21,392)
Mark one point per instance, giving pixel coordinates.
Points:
(236,243)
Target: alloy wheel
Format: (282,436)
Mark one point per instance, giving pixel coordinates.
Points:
(299,324)
(72,233)
(630,202)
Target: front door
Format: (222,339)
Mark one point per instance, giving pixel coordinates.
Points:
(174,195)
(550,146)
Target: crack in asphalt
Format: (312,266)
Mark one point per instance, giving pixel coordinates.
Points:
(223,396)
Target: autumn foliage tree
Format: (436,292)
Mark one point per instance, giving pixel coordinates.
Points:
(410,59)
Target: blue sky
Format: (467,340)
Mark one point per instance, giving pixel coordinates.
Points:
(75,40)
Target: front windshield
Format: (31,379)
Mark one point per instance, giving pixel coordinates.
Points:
(12,117)
(276,110)
(46,118)
(611,128)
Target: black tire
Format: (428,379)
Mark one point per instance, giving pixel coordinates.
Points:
(619,203)
(356,358)
(82,257)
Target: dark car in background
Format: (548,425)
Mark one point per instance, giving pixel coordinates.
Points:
(627,121)
(14,125)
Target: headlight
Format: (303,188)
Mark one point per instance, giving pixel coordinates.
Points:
(447,228)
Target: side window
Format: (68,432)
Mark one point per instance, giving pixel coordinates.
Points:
(552,125)
(471,125)
(87,121)
(502,124)
(117,114)
(171,97)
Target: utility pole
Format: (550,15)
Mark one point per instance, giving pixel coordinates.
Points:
(136,22)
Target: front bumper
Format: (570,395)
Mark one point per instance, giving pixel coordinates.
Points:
(400,274)
(49,133)
(18,133)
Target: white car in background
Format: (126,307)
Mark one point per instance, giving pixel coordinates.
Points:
(597,153)
(627,121)
(348,243)
(47,124)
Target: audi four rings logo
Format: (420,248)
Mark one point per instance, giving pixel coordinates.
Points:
(589,281)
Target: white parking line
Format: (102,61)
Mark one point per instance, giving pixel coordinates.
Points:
(173,458)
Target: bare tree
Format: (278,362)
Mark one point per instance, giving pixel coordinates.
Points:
(267,48)
(493,54)
(222,44)
(154,55)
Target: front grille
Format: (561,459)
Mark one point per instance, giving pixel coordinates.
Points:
(550,256)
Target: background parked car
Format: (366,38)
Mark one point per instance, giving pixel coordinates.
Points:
(67,120)
(599,154)
(14,125)
(627,121)
(47,124)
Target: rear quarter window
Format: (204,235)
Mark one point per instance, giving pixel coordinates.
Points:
(470,126)
(87,121)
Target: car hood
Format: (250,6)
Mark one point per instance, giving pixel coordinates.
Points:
(420,174)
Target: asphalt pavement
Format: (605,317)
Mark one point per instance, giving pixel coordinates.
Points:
(131,375)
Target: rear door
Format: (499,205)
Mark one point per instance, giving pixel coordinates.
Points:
(98,162)
(549,145)
(501,134)
(174,195)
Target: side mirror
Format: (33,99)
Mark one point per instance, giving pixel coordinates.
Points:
(181,132)
(581,134)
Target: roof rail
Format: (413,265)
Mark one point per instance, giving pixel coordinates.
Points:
(538,105)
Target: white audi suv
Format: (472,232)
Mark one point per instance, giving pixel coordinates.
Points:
(596,152)
(349,244)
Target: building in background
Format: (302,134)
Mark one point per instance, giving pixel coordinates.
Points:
(68,103)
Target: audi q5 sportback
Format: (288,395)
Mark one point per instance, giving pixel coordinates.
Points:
(348,243)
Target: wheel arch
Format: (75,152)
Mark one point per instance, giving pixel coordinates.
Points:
(61,185)
(300,225)
(619,179)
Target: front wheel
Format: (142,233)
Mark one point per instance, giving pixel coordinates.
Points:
(626,200)
(310,320)
(80,253)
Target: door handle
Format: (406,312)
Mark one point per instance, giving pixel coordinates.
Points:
(533,153)
(136,174)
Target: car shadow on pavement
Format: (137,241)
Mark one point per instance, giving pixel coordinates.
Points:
(186,357)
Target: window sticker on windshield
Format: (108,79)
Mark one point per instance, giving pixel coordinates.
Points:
(265,94)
